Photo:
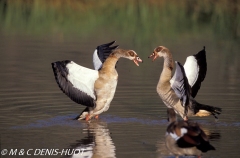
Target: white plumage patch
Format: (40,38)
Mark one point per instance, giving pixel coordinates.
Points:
(183,131)
(97,63)
(175,136)
(82,78)
(191,69)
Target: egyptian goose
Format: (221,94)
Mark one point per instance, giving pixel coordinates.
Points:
(178,92)
(92,88)
(185,138)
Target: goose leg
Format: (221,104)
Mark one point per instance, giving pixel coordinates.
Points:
(87,117)
(185,118)
(96,117)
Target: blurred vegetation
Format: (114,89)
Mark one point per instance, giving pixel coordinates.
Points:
(137,19)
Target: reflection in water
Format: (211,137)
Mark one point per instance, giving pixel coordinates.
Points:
(97,143)
(163,151)
(185,138)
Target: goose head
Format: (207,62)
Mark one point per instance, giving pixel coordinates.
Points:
(132,55)
(128,54)
(159,51)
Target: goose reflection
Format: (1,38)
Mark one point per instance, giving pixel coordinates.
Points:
(97,143)
(185,138)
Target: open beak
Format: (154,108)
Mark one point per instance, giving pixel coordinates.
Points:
(136,60)
(153,56)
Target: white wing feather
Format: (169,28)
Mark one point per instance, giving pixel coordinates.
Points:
(82,78)
(96,61)
(191,69)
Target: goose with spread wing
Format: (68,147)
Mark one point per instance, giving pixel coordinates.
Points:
(178,92)
(94,89)
(184,138)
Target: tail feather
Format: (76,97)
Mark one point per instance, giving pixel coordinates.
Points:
(210,109)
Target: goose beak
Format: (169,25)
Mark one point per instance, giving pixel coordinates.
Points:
(153,56)
(136,60)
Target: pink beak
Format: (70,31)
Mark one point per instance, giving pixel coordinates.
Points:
(136,60)
(153,55)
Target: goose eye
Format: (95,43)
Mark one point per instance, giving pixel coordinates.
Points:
(158,49)
(131,53)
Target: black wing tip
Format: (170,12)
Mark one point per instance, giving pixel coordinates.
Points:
(203,51)
(110,43)
(63,62)
(58,72)
(106,44)
(114,47)
(105,50)
(60,67)
(54,64)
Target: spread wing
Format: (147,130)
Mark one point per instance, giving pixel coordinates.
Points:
(76,81)
(179,84)
(196,69)
(101,53)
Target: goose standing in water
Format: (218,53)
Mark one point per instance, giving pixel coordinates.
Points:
(92,88)
(185,138)
(178,92)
